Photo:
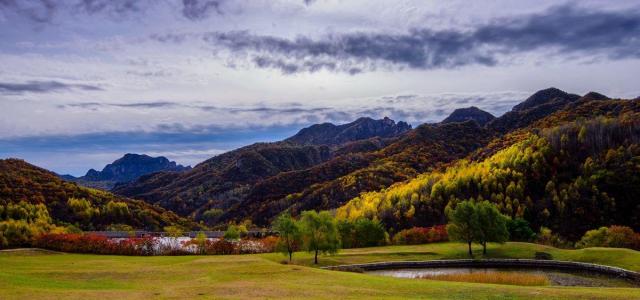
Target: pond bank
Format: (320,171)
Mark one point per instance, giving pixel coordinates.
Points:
(493,263)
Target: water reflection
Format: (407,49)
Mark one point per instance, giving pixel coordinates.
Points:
(556,277)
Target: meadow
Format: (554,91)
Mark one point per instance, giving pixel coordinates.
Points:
(48,275)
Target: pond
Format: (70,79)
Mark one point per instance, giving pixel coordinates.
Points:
(553,277)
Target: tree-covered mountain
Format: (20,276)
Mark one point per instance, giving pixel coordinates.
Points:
(260,181)
(125,169)
(224,180)
(469,113)
(423,149)
(32,194)
(329,185)
(572,171)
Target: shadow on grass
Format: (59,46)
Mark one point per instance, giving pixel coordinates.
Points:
(416,253)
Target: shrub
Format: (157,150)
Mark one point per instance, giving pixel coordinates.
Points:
(543,256)
(362,232)
(623,237)
(3,241)
(613,236)
(96,244)
(232,233)
(220,247)
(269,244)
(547,237)
(519,230)
(421,235)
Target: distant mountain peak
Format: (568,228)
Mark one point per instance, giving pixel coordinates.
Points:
(360,129)
(545,96)
(594,96)
(469,113)
(127,168)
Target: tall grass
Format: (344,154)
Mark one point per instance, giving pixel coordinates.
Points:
(511,278)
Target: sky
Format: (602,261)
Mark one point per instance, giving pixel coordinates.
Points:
(84,81)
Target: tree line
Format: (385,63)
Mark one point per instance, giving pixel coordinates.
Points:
(320,232)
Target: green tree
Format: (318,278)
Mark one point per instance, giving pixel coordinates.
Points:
(519,230)
(492,225)
(346,229)
(290,235)
(201,242)
(319,232)
(3,241)
(174,232)
(211,215)
(463,224)
(369,233)
(232,233)
(594,238)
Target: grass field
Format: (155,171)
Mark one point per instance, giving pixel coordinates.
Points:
(35,275)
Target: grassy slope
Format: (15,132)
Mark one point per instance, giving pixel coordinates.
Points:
(32,276)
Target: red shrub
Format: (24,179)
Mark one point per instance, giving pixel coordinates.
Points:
(269,244)
(221,246)
(421,235)
(97,244)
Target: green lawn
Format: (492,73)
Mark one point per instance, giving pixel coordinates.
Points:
(28,275)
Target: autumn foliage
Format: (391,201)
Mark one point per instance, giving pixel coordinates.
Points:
(421,235)
(144,246)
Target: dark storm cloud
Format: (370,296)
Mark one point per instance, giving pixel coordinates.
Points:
(39,11)
(44,11)
(200,9)
(43,87)
(113,7)
(262,110)
(96,105)
(561,30)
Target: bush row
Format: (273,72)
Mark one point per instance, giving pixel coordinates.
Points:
(97,244)
(421,235)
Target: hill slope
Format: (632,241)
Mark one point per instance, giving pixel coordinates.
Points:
(331,184)
(567,171)
(260,181)
(24,186)
(418,151)
(224,180)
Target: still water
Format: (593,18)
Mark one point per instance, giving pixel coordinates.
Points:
(556,277)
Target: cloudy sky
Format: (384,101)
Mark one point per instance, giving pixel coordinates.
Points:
(84,81)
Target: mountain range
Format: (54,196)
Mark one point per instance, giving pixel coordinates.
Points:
(550,152)
(326,165)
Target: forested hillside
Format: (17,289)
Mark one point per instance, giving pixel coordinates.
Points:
(317,169)
(34,199)
(572,178)
(225,180)
(423,148)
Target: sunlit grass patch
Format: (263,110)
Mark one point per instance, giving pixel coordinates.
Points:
(511,278)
